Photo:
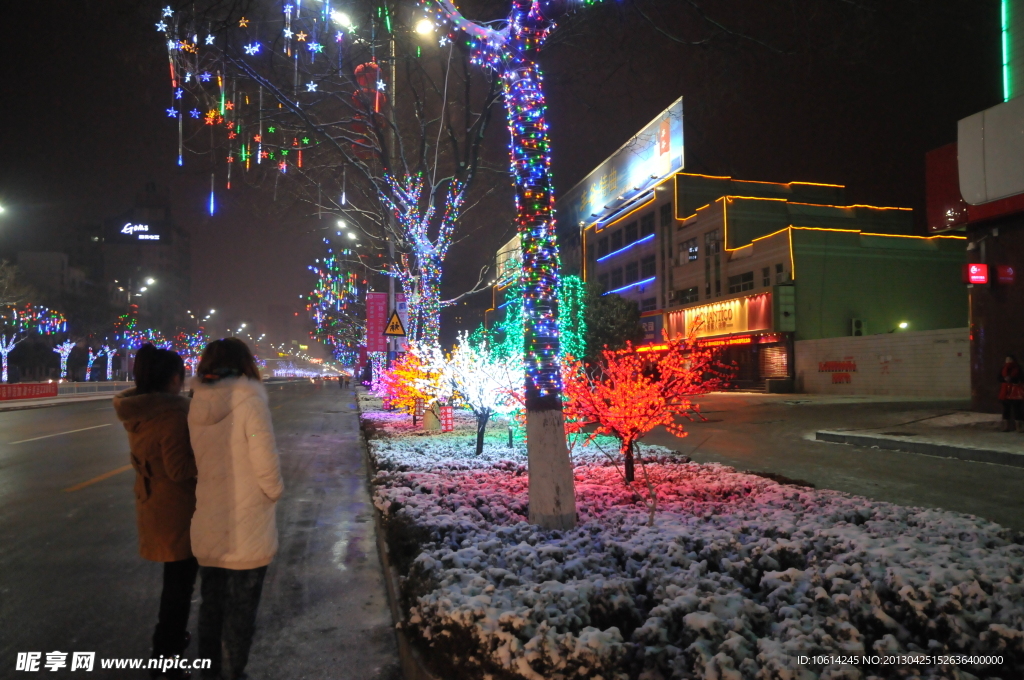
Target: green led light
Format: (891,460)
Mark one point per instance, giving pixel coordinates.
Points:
(1004,16)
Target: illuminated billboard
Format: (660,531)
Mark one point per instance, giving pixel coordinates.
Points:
(651,155)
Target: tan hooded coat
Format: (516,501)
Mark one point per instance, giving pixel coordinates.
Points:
(165,471)
(239,475)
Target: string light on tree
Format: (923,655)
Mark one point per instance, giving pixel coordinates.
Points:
(64,350)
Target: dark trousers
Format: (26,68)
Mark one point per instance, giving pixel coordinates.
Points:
(1012,409)
(175,602)
(227,617)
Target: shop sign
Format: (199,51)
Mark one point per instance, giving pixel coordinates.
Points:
(376,320)
(1006,274)
(975,273)
(27,391)
(752,313)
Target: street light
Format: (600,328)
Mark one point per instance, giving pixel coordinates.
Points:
(424,26)
(150,281)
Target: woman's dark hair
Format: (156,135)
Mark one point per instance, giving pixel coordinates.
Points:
(155,368)
(227,358)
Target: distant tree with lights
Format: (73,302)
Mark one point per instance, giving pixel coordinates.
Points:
(629,392)
(64,351)
(335,304)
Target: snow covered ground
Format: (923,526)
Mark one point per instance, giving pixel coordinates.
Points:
(738,577)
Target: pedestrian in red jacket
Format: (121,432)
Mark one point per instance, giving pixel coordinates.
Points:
(1011,393)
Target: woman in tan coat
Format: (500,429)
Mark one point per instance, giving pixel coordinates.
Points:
(234,531)
(156,417)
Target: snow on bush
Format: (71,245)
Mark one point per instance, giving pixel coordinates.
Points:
(737,578)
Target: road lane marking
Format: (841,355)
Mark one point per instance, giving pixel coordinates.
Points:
(105,475)
(47,436)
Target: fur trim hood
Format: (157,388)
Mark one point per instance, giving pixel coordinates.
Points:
(133,408)
(213,402)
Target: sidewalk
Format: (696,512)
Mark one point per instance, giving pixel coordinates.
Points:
(964,435)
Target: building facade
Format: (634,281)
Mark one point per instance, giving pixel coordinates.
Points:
(975,186)
(754,267)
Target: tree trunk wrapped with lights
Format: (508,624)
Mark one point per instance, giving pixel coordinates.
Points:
(510,52)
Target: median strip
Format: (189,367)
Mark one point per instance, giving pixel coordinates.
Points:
(105,475)
(57,434)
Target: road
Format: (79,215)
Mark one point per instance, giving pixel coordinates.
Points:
(774,433)
(73,581)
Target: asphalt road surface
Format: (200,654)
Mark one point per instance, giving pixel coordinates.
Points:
(71,578)
(775,433)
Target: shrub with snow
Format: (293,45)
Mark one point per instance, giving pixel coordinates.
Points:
(738,576)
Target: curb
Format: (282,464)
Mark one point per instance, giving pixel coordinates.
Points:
(409,657)
(24,404)
(889,443)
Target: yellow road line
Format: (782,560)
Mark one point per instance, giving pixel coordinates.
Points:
(105,475)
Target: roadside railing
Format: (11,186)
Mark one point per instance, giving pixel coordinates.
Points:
(98,387)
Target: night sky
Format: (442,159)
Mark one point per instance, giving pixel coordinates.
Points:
(833,91)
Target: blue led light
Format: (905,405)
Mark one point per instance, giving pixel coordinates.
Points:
(622,250)
(631,285)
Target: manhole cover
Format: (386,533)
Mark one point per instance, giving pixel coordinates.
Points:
(899,434)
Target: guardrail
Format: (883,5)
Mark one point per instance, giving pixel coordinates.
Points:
(97,387)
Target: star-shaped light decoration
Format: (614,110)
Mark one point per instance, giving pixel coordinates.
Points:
(209,39)
(257,138)
(305,140)
(168,11)
(284,152)
(339,37)
(311,86)
(172,112)
(444,40)
(161,26)
(231,159)
(178,93)
(287,9)
(271,129)
(381,85)
(195,113)
(229,105)
(263,154)
(252,48)
(288,32)
(243,22)
(232,134)
(188,76)
(205,76)
(283,165)
(301,37)
(315,47)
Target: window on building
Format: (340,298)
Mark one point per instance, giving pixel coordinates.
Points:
(712,243)
(688,251)
(766,277)
(602,282)
(616,240)
(616,278)
(666,214)
(780,274)
(649,304)
(632,272)
(647,267)
(629,233)
(688,295)
(647,225)
(602,246)
(741,282)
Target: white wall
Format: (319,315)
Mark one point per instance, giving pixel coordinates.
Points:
(924,363)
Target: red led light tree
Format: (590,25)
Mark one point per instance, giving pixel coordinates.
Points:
(629,392)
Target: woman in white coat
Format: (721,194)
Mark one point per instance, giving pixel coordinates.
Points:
(234,531)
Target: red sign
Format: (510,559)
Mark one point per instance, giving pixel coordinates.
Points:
(418,408)
(975,273)
(1006,274)
(28,391)
(376,321)
(447,419)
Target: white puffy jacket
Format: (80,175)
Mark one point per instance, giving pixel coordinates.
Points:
(239,479)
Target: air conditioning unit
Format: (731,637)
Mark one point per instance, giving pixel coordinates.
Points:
(857,327)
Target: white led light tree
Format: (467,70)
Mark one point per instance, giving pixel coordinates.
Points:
(64,350)
(487,384)
(6,346)
(91,360)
